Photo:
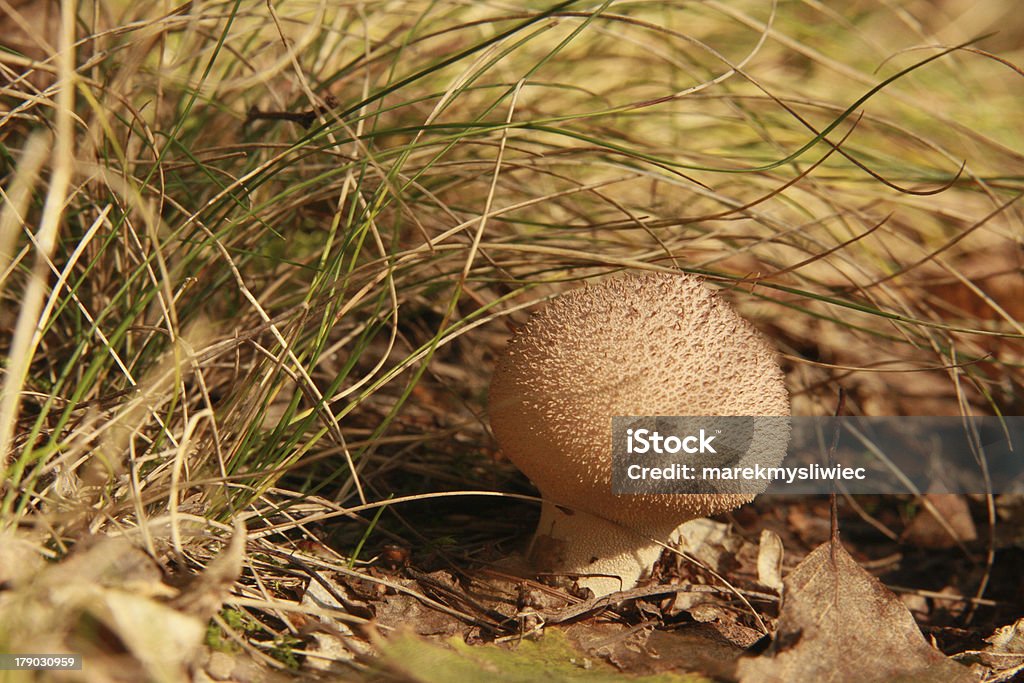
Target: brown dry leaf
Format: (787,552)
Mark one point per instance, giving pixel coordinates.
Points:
(20,559)
(1010,529)
(711,542)
(110,562)
(104,602)
(695,648)
(725,624)
(206,592)
(769,560)
(810,525)
(162,639)
(333,639)
(622,647)
(1003,660)
(839,623)
(1006,647)
(1008,639)
(403,610)
(942,523)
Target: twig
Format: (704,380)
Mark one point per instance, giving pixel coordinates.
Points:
(303,118)
(833,500)
(596,604)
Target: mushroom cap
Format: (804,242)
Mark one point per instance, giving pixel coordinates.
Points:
(657,344)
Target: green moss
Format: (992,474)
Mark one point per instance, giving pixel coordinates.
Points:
(549,658)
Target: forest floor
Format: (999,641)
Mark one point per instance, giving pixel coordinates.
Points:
(257,260)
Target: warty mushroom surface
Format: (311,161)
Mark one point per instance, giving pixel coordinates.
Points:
(639,345)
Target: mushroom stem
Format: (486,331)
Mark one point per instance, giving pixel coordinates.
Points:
(607,556)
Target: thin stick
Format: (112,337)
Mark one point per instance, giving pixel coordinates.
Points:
(833,499)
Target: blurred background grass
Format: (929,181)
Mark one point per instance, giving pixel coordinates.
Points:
(257,257)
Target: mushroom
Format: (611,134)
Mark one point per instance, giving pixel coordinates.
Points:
(640,345)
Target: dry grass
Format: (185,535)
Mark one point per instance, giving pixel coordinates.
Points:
(212,315)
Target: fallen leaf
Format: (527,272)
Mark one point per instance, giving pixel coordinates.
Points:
(1004,656)
(19,559)
(769,560)
(709,541)
(99,602)
(692,648)
(1008,639)
(334,640)
(621,646)
(811,526)
(944,522)
(725,624)
(839,623)
(697,648)
(1010,529)
(403,610)
(164,640)
(206,592)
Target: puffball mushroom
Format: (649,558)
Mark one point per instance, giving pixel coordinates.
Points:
(658,344)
